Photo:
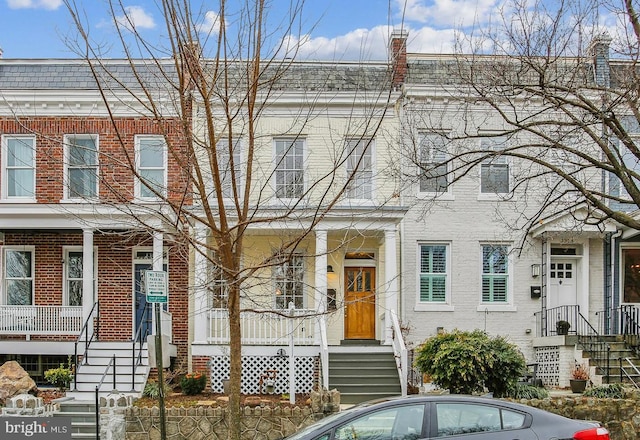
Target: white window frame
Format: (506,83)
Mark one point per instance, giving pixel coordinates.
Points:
(495,143)
(6,168)
(507,305)
(299,266)
(633,131)
(6,279)
(68,144)
(224,162)
(65,274)
(427,140)
(353,191)
(280,166)
(138,185)
(426,306)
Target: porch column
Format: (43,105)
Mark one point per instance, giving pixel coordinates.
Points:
(88,279)
(200,306)
(391,281)
(157,265)
(320,278)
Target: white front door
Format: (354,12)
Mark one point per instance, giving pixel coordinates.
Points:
(562,283)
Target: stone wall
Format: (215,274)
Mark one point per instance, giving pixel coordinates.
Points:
(620,416)
(211,422)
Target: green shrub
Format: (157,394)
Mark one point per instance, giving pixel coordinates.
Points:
(521,391)
(152,389)
(59,377)
(193,383)
(467,362)
(612,391)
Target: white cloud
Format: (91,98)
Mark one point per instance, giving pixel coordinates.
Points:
(211,23)
(359,44)
(135,17)
(449,13)
(34,4)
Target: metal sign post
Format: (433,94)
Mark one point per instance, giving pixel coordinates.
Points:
(156,287)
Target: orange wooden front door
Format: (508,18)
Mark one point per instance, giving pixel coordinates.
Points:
(360,307)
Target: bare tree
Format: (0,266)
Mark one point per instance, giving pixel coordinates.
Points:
(548,90)
(220,82)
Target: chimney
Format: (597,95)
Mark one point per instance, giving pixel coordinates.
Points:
(398,49)
(599,50)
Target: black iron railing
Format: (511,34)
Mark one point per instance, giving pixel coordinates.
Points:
(95,313)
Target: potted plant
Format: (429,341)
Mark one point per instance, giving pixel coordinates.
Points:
(579,378)
(562,327)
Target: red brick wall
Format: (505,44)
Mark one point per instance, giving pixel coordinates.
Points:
(116,147)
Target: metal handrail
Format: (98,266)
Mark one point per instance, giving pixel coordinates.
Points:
(590,340)
(139,338)
(112,362)
(623,372)
(87,340)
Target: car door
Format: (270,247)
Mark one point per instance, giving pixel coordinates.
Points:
(398,422)
(473,421)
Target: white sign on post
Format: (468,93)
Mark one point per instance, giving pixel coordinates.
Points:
(155,283)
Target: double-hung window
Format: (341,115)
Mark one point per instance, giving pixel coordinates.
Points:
(74,276)
(360,169)
(433,156)
(151,165)
(19,171)
(629,161)
(217,285)
(18,276)
(81,152)
(433,273)
(229,167)
(494,171)
(289,283)
(495,274)
(289,167)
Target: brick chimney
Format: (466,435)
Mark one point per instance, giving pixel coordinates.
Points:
(398,50)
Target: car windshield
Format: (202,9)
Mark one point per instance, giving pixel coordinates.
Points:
(319,424)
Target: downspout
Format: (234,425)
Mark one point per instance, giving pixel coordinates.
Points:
(614,255)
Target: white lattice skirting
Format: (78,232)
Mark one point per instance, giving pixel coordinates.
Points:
(255,366)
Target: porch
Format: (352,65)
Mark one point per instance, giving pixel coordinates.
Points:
(40,320)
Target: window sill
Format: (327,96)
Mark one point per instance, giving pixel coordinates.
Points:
(17,200)
(424,307)
(497,308)
(446,197)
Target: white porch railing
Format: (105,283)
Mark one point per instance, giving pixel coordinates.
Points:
(400,352)
(40,320)
(264,327)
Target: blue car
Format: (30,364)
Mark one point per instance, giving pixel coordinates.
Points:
(448,417)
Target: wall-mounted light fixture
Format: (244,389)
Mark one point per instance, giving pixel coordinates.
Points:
(329,269)
(535,270)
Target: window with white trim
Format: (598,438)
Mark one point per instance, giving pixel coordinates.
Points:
(229,166)
(494,171)
(495,273)
(151,165)
(360,169)
(289,167)
(289,283)
(433,156)
(630,160)
(19,166)
(81,153)
(73,259)
(433,273)
(18,277)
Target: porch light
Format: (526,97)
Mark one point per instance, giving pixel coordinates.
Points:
(330,269)
(535,270)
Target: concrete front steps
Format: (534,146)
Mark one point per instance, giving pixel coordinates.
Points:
(363,373)
(82,414)
(618,351)
(91,370)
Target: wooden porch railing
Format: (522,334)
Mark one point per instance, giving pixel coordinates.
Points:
(265,327)
(40,320)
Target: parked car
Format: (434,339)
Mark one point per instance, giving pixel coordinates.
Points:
(450,417)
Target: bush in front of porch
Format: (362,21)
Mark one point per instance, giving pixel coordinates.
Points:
(467,362)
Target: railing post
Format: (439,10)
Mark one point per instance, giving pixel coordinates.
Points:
(608,362)
(97,413)
(114,372)
(620,363)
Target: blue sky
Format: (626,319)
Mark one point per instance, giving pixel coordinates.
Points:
(344,29)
